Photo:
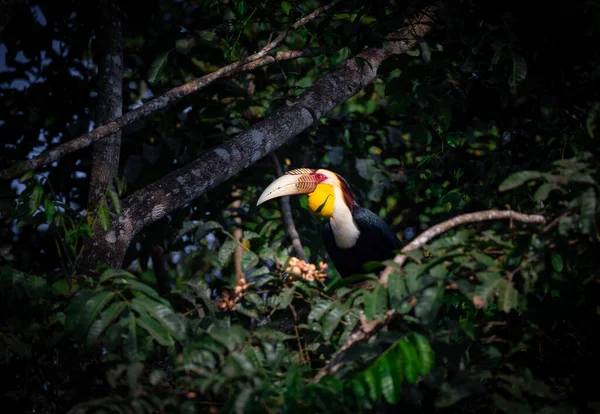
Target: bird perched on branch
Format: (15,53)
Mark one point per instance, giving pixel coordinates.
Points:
(353,235)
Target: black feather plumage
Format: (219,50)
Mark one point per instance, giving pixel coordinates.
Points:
(376,242)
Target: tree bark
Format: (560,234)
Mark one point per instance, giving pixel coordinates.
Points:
(105,162)
(180,187)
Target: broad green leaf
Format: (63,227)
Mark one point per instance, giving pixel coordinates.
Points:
(391,379)
(398,292)
(318,310)
(332,319)
(425,353)
(158,66)
(113,272)
(507,296)
(104,217)
(249,260)
(114,198)
(371,377)
(61,287)
(428,304)
(232,338)
(485,260)
(163,314)
(557,262)
(130,345)
(411,360)
(286,7)
(159,332)
(286,296)
(204,228)
(50,209)
(516,179)
(135,285)
(35,286)
(95,304)
(106,318)
(375,303)
(242,399)
(227,250)
(242,6)
(36,198)
(361,391)
(542,192)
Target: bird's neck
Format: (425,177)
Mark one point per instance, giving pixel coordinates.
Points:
(343,226)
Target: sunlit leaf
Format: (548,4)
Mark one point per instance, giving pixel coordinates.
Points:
(516,179)
(157,67)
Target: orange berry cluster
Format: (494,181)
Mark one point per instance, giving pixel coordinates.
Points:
(229,298)
(307,271)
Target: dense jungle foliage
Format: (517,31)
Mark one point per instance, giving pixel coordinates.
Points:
(498,107)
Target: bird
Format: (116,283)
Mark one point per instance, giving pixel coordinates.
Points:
(353,235)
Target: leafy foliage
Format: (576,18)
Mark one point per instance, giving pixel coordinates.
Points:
(494,316)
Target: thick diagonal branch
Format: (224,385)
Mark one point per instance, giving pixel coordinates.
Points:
(261,58)
(189,182)
(367,329)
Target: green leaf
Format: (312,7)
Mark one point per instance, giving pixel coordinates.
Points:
(163,314)
(428,304)
(542,192)
(424,351)
(286,7)
(93,306)
(332,319)
(157,67)
(106,318)
(398,293)
(227,250)
(114,198)
(249,260)
(557,262)
(113,272)
(104,217)
(50,209)
(61,287)
(135,285)
(518,178)
(375,303)
(286,296)
(371,377)
(485,260)
(588,210)
(130,345)
(36,198)
(360,390)
(592,120)
(391,378)
(507,296)
(411,360)
(155,329)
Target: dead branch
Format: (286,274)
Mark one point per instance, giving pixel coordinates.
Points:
(288,219)
(367,329)
(254,61)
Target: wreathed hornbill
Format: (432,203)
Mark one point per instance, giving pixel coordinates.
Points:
(353,235)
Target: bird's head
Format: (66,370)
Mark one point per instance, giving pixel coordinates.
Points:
(325,190)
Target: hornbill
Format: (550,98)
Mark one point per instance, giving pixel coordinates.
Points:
(353,235)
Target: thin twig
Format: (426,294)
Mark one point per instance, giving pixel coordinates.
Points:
(368,329)
(288,218)
(237,234)
(169,97)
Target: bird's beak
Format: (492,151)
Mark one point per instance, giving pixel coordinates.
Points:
(299,181)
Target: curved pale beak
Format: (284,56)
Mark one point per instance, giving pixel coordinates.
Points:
(300,181)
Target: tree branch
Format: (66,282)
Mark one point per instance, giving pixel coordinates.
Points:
(180,187)
(444,226)
(105,164)
(290,227)
(367,329)
(254,61)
